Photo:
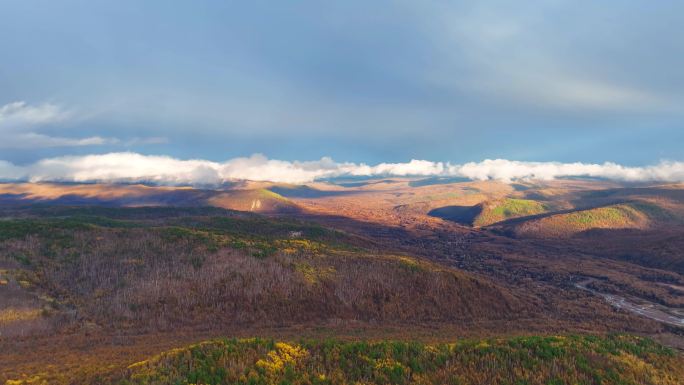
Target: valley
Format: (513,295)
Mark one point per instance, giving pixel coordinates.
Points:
(651,310)
(341,192)
(129,271)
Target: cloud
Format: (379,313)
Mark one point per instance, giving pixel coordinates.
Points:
(414,167)
(128,167)
(20,114)
(8,171)
(123,167)
(18,121)
(507,170)
(258,167)
(31,140)
(523,55)
(561,90)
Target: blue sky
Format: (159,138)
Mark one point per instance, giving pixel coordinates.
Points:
(359,81)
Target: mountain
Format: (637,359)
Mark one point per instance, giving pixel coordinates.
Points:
(94,278)
(490,212)
(245,199)
(254,200)
(631,215)
(98,267)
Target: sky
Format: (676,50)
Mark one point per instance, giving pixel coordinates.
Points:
(339,82)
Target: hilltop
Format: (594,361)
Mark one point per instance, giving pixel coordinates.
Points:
(96,264)
(96,277)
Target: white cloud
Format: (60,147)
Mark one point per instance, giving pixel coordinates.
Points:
(127,167)
(21,114)
(123,167)
(507,170)
(258,167)
(414,167)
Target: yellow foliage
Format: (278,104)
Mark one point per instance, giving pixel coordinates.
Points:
(138,364)
(34,380)
(292,246)
(560,341)
(312,274)
(483,345)
(645,370)
(283,354)
(21,314)
(387,363)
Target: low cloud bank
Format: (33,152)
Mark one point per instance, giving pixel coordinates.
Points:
(126,167)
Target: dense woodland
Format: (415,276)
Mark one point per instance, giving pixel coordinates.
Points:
(555,360)
(154,272)
(85,291)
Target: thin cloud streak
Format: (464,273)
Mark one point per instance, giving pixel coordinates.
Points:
(21,114)
(19,120)
(128,167)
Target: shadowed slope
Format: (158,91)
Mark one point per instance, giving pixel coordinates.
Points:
(160,272)
(465,215)
(489,212)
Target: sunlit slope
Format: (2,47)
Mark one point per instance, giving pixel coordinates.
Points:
(255,200)
(639,215)
(497,211)
(612,360)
